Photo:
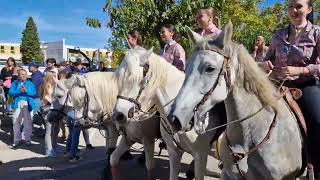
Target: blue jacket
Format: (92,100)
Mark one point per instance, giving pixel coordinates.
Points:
(28,96)
(37,80)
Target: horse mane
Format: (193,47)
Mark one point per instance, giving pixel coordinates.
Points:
(128,73)
(255,80)
(102,86)
(252,78)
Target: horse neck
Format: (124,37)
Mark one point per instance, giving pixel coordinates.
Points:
(174,82)
(239,105)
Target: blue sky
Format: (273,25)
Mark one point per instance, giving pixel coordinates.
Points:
(57,19)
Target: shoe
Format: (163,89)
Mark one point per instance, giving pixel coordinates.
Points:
(89,146)
(75,159)
(28,143)
(16,144)
(51,153)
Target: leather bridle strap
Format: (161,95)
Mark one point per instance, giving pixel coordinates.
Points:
(223,72)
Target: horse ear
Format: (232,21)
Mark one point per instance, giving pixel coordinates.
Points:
(80,81)
(228,31)
(193,36)
(145,57)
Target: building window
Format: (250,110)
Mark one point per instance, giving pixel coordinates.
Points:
(1,49)
(12,50)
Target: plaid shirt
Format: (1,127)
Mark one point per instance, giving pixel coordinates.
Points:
(174,54)
(211,30)
(304,52)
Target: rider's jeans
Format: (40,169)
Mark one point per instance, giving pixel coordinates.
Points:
(309,104)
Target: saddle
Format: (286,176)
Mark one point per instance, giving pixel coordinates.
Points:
(291,95)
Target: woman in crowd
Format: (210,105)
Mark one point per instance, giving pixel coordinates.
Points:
(6,77)
(260,49)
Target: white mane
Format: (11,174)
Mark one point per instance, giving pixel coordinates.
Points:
(130,71)
(102,89)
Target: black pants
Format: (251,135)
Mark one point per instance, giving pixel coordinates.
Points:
(310,106)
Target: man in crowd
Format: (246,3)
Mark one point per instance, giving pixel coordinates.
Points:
(23,93)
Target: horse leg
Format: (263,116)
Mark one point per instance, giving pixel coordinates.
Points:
(111,138)
(224,176)
(174,160)
(123,146)
(200,164)
(149,150)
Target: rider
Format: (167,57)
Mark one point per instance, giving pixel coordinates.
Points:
(294,56)
(134,40)
(208,21)
(172,51)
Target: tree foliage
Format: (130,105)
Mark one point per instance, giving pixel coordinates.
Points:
(30,45)
(147,17)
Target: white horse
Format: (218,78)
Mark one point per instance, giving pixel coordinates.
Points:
(266,144)
(149,80)
(83,94)
(93,96)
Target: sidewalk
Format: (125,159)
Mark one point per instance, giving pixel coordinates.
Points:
(30,162)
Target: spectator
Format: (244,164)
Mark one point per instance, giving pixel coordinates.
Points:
(37,80)
(51,66)
(102,68)
(260,49)
(23,93)
(79,68)
(6,77)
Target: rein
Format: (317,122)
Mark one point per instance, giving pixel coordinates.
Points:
(225,72)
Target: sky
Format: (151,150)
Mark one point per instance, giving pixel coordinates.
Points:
(57,20)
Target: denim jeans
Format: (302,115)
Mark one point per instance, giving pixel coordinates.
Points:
(51,136)
(74,136)
(309,104)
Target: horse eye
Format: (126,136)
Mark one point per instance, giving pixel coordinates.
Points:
(209,69)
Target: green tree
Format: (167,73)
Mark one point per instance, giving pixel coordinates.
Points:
(147,17)
(30,45)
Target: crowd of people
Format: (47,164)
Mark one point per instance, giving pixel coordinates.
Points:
(26,101)
(293,55)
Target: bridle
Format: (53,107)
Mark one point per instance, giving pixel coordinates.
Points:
(87,120)
(225,73)
(135,101)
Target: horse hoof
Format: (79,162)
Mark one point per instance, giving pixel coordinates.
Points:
(126,156)
(190,174)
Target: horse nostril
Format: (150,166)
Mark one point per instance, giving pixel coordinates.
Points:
(131,113)
(118,116)
(176,123)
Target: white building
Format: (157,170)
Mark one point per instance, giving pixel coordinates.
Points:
(58,50)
